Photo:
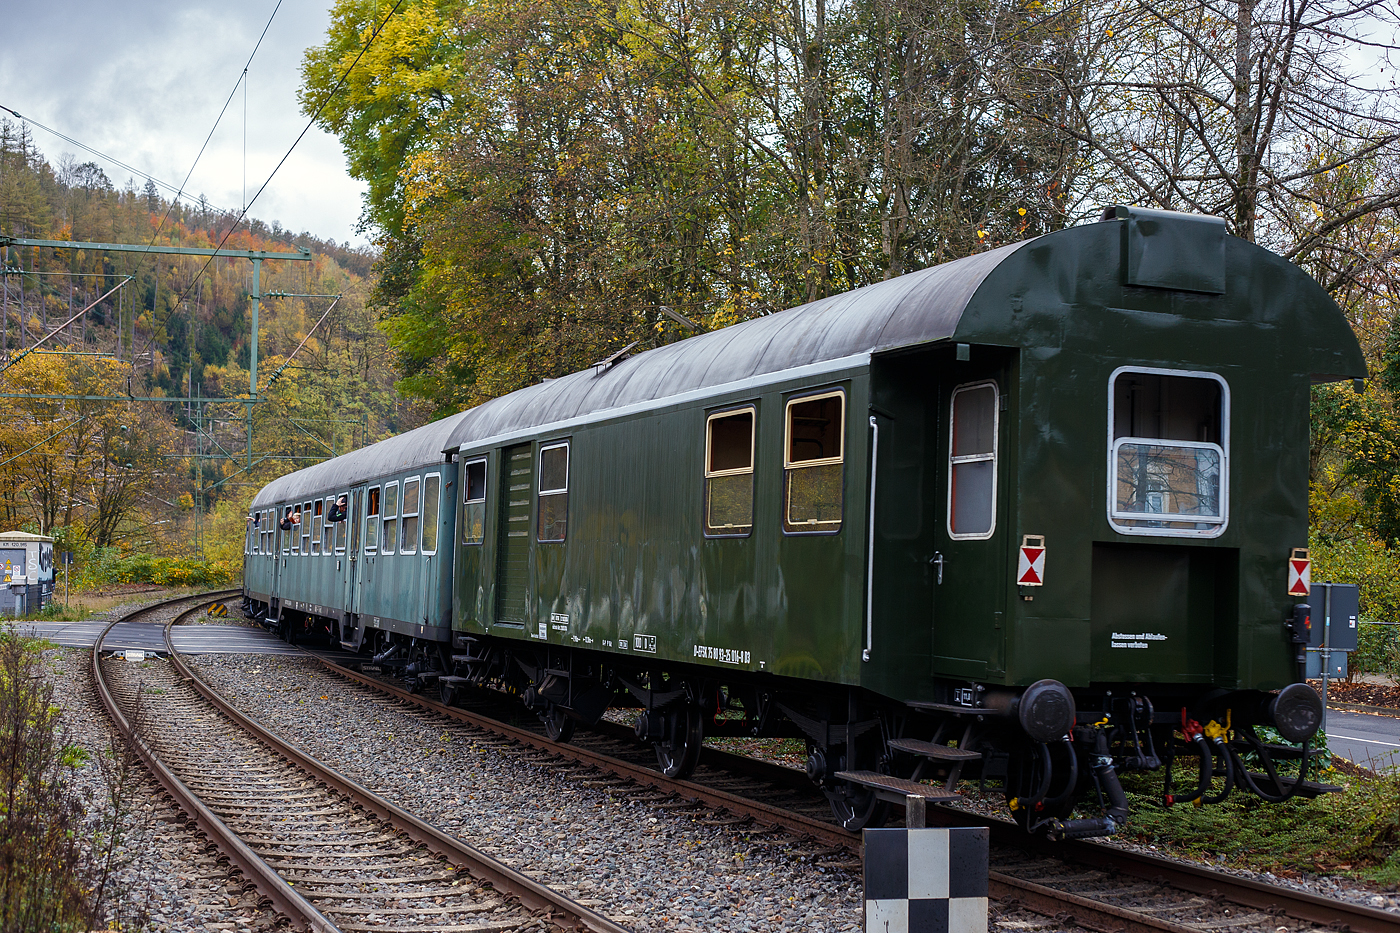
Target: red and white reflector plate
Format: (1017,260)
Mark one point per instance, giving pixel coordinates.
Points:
(1299,572)
(1030,568)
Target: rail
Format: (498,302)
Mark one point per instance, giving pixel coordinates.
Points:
(1038,898)
(532,896)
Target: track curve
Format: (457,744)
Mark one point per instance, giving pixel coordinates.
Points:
(325,852)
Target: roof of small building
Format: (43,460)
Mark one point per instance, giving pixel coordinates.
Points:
(23,536)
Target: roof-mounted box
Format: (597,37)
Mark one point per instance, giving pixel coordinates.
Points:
(1167,249)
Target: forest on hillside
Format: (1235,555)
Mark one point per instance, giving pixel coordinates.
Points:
(116,478)
(551,181)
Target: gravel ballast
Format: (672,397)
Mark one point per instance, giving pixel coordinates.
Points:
(165,878)
(646,868)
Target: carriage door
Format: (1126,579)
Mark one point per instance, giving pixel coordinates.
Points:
(277,544)
(969,564)
(354,553)
(513,548)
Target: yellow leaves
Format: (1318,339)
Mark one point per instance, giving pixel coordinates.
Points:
(1021,211)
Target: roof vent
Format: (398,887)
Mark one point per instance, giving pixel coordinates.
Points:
(1167,249)
(603,366)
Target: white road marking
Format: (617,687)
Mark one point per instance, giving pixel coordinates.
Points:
(1353,738)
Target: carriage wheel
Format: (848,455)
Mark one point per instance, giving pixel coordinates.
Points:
(855,807)
(447,693)
(679,752)
(558,725)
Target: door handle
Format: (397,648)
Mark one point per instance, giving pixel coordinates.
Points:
(937,561)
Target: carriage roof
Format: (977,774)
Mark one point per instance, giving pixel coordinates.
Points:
(1187,260)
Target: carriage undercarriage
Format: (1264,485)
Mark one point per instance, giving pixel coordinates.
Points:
(1055,756)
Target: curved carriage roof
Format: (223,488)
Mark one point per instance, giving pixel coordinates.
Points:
(1062,276)
(416,448)
(919,307)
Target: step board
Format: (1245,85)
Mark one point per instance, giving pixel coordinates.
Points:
(452,679)
(930,750)
(895,789)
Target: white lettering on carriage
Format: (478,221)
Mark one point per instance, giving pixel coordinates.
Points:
(722,655)
(1141,640)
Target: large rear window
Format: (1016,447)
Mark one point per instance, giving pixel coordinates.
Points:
(1168,453)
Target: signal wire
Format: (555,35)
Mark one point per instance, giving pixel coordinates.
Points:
(97,152)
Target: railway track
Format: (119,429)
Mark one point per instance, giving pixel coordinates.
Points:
(325,852)
(1092,885)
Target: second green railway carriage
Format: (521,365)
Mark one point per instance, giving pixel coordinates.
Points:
(1026,515)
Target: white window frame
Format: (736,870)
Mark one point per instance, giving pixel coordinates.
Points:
(435,477)
(541,492)
(318,526)
(751,469)
(392,540)
(1220,524)
(485,486)
(372,519)
(994,457)
(342,528)
(407,546)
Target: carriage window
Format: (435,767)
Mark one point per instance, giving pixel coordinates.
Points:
(432,493)
(812,465)
(474,502)
(391,518)
(553,519)
(328,529)
(1169,453)
(409,543)
(289,538)
(372,519)
(353,522)
(316,528)
(306,528)
(342,525)
(729,473)
(972,462)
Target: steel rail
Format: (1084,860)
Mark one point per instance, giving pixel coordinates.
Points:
(1302,905)
(1038,898)
(1197,879)
(268,883)
(825,833)
(1087,913)
(532,895)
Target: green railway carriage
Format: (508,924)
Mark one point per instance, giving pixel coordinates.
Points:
(1025,516)
(380,569)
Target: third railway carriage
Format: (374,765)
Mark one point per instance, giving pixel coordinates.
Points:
(1025,516)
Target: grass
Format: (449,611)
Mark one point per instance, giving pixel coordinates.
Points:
(1354,833)
(84,605)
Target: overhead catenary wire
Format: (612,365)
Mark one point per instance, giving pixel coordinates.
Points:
(278,373)
(345,75)
(242,79)
(40,342)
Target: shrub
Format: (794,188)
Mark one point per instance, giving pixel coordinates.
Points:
(47,876)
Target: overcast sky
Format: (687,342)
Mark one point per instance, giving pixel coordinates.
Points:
(144,80)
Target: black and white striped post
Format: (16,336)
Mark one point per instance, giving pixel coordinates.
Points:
(922,880)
